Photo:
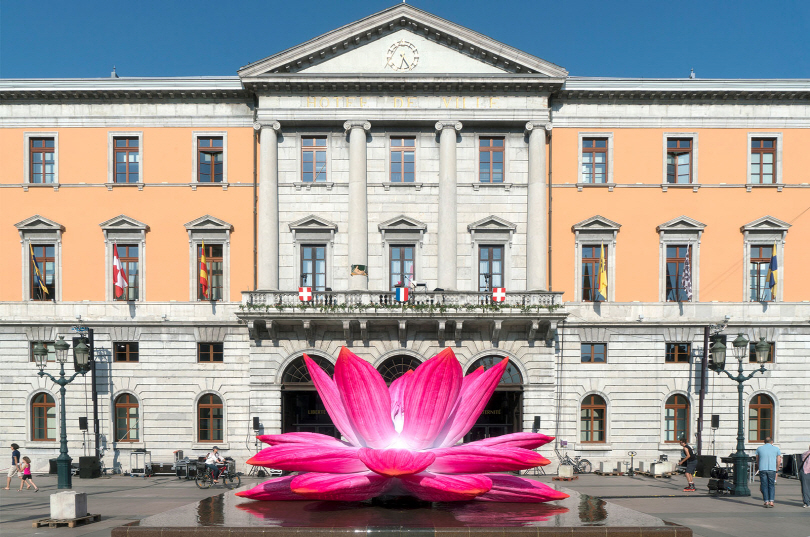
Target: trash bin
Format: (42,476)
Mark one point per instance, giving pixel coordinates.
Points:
(52,466)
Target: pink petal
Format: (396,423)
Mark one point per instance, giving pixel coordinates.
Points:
(466,459)
(509,488)
(301,438)
(446,488)
(340,487)
(471,402)
(396,462)
(308,458)
(274,489)
(431,398)
(331,400)
(365,398)
(397,392)
(522,440)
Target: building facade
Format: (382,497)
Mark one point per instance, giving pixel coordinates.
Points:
(404,151)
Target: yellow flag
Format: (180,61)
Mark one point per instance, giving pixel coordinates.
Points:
(602,273)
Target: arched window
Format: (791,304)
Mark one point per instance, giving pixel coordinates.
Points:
(43,418)
(396,366)
(297,373)
(511,374)
(592,420)
(210,418)
(760,418)
(126,418)
(677,418)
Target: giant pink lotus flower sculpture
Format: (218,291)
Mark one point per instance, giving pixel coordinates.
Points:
(402,440)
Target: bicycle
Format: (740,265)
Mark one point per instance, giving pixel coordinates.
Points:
(227,474)
(580,465)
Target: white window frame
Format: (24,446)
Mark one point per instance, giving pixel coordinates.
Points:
(670,233)
(27,159)
(313,229)
(195,137)
(695,184)
(216,231)
(47,232)
(125,230)
(596,229)
(765,231)
(482,235)
(111,136)
(609,178)
(778,160)
(402,231)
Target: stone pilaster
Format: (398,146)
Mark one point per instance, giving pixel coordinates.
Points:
(536,207)
(358,202)
(448,212)
(267,278)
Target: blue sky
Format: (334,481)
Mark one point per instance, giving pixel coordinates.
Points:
(719,39)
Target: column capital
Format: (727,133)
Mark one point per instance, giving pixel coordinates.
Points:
(531,125)
(441,125)
(259,125)
(357,124)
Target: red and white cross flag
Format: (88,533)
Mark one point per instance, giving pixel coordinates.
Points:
(305,294)
(498,294)
(119,276)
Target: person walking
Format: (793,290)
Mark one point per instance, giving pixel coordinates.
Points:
(769,459)
(27,480)
(804,478)
(690,461)
(14,469)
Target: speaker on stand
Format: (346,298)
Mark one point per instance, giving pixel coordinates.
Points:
(83,428)
(715,426)
(259,472)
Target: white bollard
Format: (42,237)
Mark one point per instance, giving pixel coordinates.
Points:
(68,505)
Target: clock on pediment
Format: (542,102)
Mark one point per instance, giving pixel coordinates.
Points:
(402,56)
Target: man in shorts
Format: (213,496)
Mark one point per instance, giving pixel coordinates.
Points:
(14,469)
(690,461)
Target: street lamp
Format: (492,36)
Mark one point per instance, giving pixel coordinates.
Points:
(61,347)
(740,347)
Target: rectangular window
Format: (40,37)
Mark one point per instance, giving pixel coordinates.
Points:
(209,352)
(403,159)
(490,268)
(590,272)
(128,255)
(752,352)
(676,259)
(313,266)
(401,268)
(490,160)
(43,160)
(210,159)
(48,346)
(125,351)
(678,353)
(758,274)
(763,161)
(594,160)
(127,160)
(43,273)
(679,160)
(214,267)
(593,353)
(313,159)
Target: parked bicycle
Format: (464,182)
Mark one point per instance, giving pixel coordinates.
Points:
(581,466)
(227,476)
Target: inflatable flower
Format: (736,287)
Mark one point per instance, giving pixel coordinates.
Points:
(402,440)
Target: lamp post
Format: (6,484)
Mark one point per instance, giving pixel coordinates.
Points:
(64,480)
(740,346)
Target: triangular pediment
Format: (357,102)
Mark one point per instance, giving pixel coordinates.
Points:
(313,223)
(765,223)
(492,223)
(39,223)
(403,223)
(682,223)
(123,222)
(208,223)
(596,223)
(431,45)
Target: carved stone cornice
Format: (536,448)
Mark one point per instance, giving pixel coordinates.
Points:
(441,125)
(357,124)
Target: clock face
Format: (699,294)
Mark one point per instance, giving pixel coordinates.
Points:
(402,56)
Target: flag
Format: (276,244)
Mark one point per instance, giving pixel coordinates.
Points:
(203,273)
(402,294)
(498,294)
(686,277)
(602,273)
(359,270)
(773,274)
(305,294)
(38,281)
(119,276)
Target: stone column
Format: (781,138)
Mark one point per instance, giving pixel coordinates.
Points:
(358,203)
(267,278)
(536,230)
(448,212)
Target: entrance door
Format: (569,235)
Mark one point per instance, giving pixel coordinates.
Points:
(501,416)
(303,412)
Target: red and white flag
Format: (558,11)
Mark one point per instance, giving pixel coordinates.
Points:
(498,294)
(305,294)
(119,276)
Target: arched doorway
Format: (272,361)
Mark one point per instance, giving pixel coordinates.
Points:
(504,411)
(302,410)
(396,366)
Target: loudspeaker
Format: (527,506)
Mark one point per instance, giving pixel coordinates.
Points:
(715,421)
(536,426)
(256,423)
(83,423)
(89,467)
